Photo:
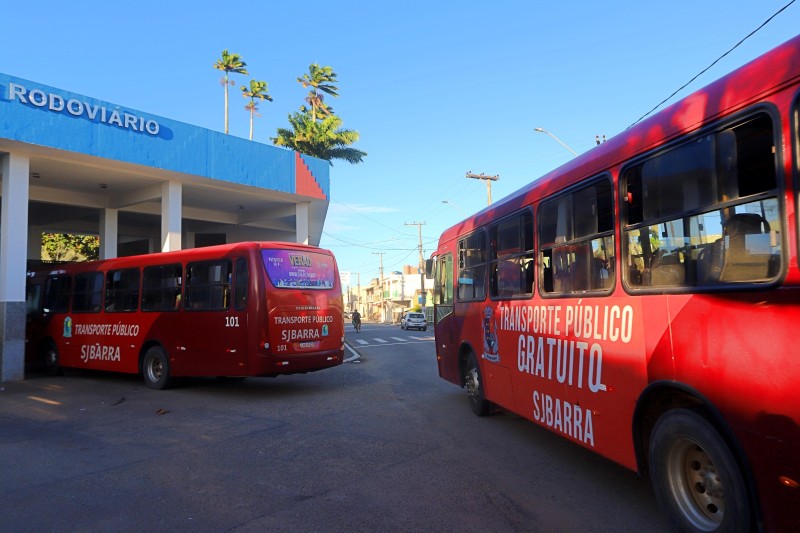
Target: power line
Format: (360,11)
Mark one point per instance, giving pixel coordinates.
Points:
(714,63)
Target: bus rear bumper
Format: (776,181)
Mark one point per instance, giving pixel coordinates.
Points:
(268,364)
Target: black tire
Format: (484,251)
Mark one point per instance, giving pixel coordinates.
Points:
(473,382)
(697,481)
(155,369)
(50,360)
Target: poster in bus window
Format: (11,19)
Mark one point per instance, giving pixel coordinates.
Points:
(299,269)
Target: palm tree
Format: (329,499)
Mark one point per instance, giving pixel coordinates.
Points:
(321,80)
(260,90)
(227,64)
(324,138)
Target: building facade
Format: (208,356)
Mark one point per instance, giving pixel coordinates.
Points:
(70,163)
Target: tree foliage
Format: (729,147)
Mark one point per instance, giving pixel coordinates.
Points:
(257,89)
(70,247)
(324,138)
(317,131)
(229,63)
(321,80)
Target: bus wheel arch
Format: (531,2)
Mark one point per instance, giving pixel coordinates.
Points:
(692,460)
(155,367)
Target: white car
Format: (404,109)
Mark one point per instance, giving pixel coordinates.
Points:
(414,321)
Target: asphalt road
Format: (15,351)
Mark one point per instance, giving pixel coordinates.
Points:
(377,444)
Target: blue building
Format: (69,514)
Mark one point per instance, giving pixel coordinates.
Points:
(74,164)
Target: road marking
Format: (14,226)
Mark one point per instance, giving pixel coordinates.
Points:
(354,357)
(362,341)
(398,339)
(378,339)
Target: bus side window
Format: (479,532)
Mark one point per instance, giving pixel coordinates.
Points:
(88,293)
(56,294)
(161,288)
(208,285)
(576,240)
(122,290)
(705,213)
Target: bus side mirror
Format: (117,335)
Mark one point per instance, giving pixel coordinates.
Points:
(429,268)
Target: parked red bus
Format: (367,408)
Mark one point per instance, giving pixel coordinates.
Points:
(244,309)
(641,301)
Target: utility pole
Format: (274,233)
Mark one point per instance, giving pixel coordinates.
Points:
(358,295)
(488,180)
(422,261)
(383,302)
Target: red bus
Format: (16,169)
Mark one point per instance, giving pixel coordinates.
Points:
(245,309)
(641,301)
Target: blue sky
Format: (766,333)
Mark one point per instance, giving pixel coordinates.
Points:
(436,89)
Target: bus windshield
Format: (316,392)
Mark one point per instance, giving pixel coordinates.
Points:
(294,268)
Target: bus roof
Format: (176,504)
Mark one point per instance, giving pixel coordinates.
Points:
(756,80)
(189,254)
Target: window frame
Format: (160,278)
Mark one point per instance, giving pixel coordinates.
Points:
(114,295)
(191,303)
(584,239)
(462,266)
(524,257)
(170,297)
(778,194)
(88,295)
(64,295)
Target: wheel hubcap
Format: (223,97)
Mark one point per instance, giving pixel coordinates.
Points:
(696,485)
(473,385)
(155,369)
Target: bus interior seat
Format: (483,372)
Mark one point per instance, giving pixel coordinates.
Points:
(742,253)
(667,269)
(748,251)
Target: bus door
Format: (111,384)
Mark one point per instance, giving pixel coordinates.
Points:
(444,318)
(216,332)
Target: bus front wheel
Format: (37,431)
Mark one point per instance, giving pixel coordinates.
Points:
(155,369)
(50,360)
(473,382)
(697,481)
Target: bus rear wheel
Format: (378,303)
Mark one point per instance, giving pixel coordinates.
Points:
(473,382)
(155,369)
(696,479)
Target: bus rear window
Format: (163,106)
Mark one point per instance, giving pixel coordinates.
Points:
(298,268)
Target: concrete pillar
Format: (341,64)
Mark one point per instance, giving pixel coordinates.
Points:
(301,223)
(34,243)
(109,232)
(171,207)
(13,265)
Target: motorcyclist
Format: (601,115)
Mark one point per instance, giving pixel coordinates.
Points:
(356,320)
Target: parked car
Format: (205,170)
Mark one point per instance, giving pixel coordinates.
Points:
(414,320)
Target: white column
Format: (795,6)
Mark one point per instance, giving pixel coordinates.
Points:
(301,223)
(14,228)
(13,264)
(109,233)
(171,207)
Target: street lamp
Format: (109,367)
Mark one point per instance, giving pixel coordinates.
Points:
(454,206)
(542,130)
